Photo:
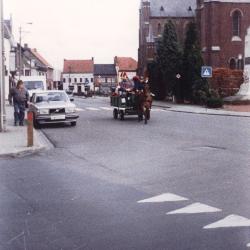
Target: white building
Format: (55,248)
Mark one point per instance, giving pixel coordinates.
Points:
(9,54)
(78,75)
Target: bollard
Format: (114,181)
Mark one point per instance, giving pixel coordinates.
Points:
(30,137)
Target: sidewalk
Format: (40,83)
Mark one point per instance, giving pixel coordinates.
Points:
(13,143)
(228,111)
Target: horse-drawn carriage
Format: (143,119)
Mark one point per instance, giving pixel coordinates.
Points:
(129,103)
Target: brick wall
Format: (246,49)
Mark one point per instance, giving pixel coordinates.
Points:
(217,32)
(227,82)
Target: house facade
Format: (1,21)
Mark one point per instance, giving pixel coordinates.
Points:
(105,77)
(126,67)
(222,26)
(78,75)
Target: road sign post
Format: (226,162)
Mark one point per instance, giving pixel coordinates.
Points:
(30,132)
(2,74)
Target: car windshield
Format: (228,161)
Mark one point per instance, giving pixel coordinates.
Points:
(34,85)
(52,97)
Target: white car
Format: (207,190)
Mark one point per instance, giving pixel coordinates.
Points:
(53,106)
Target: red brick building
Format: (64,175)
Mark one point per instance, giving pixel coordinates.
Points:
(222,26)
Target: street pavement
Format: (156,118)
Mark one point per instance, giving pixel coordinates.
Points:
(13,142)
(179,183)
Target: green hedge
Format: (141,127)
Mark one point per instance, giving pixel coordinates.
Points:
(214,102)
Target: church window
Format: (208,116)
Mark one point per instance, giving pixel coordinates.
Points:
(159,29)
(236,23)
(232,63)
(162,8)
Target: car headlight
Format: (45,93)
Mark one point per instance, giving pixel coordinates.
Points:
(70,110)
(43,111)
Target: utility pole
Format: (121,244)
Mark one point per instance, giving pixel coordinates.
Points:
(20,65)
(20,52)
(2,73)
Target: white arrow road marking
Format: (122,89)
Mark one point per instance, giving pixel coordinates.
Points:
(196,208)
(164,198)
(230,221)
(248,245)
(93,109)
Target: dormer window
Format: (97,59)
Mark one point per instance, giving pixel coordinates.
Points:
(162,8)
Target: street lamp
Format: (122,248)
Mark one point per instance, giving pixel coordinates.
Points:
(21,31)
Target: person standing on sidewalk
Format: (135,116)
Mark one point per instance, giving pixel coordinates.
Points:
(20,99)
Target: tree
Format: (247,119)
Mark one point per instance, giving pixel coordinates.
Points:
(193,85)
(156,83)
(169,57)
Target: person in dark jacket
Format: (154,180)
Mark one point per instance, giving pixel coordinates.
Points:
(20,98)
(138,85)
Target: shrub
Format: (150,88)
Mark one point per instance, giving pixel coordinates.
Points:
(214,102)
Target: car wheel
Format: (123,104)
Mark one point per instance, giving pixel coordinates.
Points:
(73,124)
(36,125)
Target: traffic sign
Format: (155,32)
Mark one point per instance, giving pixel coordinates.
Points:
(206,72)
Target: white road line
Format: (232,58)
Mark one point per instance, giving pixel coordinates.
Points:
(157,110)
(92,109)
(196,208)
(79,109)
(167,197)
(106,108)
(248,245)
(230,221)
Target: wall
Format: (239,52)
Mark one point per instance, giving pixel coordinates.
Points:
(7,65)
(130,75)
(66,84)
(216,32)
(226,81)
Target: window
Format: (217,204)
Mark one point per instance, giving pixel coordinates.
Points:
(64,80)
(69,80)
(159,29)
(75,79)
(232,63)
(92,79)
(80,79)
(27,72)
(236,23)
(240,64)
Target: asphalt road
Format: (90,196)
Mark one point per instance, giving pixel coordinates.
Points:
(84,193)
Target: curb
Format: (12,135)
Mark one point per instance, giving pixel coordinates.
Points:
(169,109)
(43,145)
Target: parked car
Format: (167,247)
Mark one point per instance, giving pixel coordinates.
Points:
(53,106)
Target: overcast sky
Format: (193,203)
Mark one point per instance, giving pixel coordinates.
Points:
(77,29)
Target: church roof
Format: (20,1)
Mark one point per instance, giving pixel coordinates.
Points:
(177,8)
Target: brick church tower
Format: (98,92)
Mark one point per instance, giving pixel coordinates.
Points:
(223,26)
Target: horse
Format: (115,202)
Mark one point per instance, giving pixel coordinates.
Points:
(145,104)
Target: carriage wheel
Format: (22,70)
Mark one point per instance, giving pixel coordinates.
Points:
(115,114)
(122,115)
